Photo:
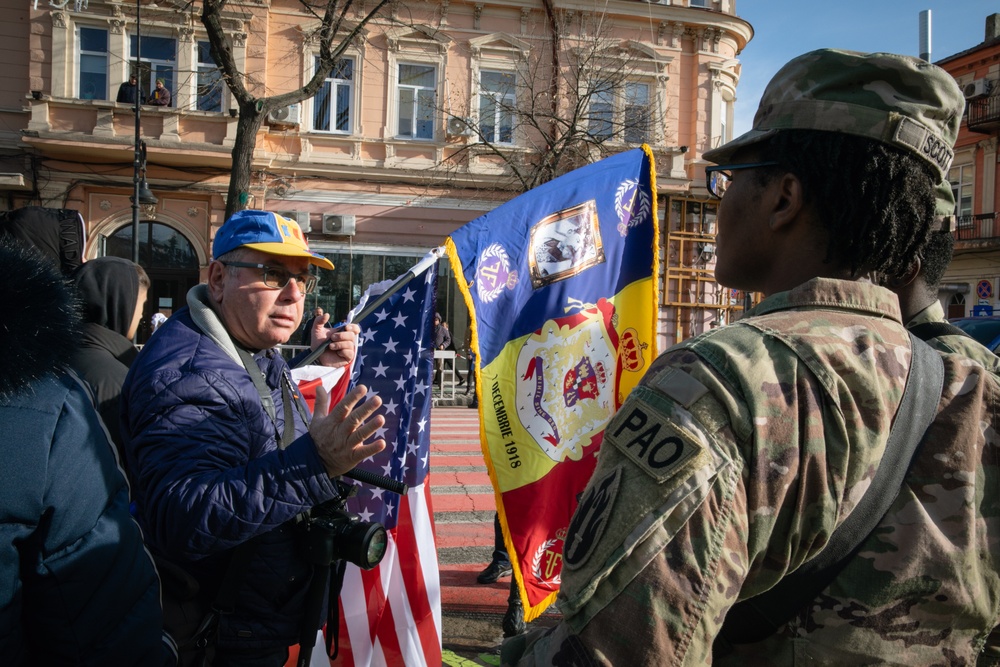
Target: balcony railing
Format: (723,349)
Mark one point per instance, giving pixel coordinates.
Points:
(984,114)
(977,227)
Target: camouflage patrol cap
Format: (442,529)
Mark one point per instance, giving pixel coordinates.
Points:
(944,207)
(898,100)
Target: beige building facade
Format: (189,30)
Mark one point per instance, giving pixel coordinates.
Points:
(971,285)
(406,141)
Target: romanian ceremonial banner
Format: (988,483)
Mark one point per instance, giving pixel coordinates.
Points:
(391,615)
(562,286)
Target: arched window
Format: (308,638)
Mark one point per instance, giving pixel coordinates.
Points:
(160,247)
(170,261)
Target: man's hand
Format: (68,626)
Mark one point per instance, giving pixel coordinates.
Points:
(342,342)
(339,433)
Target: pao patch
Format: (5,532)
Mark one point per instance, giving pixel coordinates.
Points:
(643,432)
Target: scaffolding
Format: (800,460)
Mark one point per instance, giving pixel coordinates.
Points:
(691,302)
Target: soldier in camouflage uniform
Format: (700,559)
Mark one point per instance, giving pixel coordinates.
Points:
(918,296)
(744,448)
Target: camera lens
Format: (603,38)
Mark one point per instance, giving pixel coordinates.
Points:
(362,543)
(377,545)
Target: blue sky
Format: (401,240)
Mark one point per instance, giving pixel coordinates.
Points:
(784,29)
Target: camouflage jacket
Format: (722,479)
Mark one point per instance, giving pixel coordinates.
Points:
(733,462)
(963,345)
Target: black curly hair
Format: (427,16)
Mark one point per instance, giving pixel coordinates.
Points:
(875,201)
(936,257)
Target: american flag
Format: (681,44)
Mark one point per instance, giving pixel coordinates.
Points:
(391,615)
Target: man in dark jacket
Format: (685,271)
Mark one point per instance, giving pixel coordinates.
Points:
(442,341)
(113,291)
(218,438)
(128,90)
(76,585)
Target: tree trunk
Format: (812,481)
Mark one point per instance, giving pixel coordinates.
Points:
(249,122)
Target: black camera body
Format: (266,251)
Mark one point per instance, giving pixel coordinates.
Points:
(332,533)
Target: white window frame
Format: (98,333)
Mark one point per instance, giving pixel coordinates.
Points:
(501,100)
(962,178)
(157,67)
(206,69)
(336,85)
(416,90)
(80,54)
(648,131)
(610,108)
(65,71)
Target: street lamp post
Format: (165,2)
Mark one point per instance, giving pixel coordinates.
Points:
(140,191)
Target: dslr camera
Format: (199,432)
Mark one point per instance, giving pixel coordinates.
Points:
(332,533)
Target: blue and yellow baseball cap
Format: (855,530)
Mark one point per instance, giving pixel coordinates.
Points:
(267,232)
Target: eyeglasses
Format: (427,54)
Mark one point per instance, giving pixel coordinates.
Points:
(719,176)
(276,278)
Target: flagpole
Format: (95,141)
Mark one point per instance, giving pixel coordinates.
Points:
(429,260)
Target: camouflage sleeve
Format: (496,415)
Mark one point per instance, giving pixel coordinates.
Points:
(656,552)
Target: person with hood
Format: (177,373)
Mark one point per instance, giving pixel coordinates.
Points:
(58,233)
(78,587)
(113,291)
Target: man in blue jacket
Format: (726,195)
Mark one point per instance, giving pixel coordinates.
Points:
(219,442)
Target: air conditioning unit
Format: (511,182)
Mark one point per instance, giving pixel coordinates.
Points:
(301,217)
(285,115)
(976,89)
(338,225)
(459,127)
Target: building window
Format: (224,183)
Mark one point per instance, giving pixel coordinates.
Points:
(961,184)
(497,100)
(158,60)
(93,64)
(699,3)
(624,116)
(602,114)
(332,104)
(210,83)
(416,101)
(637,111)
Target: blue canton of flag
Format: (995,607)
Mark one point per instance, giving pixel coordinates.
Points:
(395,362)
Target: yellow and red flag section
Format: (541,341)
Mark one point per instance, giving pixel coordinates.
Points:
(562,284)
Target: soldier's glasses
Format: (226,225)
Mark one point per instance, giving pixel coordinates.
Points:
(718,177)
(276,278)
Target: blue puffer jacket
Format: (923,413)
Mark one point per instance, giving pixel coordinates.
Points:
(208,473)
(76,585)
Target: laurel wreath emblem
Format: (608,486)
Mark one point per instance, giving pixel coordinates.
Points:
(493,251)
(536,566)
(635,210)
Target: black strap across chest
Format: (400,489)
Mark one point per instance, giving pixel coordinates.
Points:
(756,618)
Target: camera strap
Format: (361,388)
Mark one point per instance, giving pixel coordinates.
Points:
(287,399)
(755,619)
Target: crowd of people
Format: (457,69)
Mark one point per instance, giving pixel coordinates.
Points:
(744,509)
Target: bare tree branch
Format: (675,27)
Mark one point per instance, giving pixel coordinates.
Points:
(333,40)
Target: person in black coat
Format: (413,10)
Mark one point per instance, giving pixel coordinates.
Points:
(128,90)
(113,291)
(77,587)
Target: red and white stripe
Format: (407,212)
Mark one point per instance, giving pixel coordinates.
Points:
(391,615)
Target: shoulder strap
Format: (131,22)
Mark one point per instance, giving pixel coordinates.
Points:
(759,617)
(929,330)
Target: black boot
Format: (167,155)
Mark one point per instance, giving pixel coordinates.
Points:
(494,571)
(513,620)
